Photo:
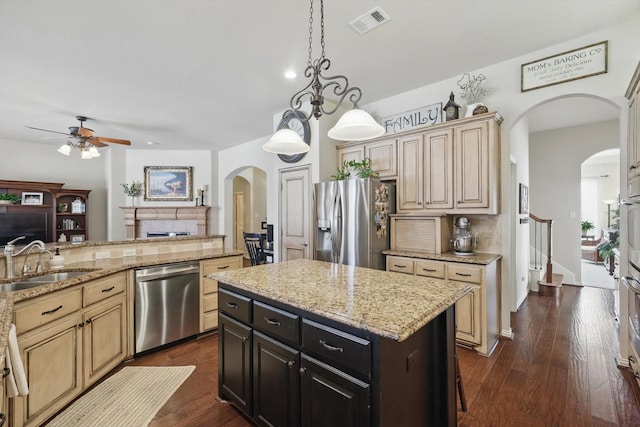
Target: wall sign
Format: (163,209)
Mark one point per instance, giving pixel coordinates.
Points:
(423,116)
(564,67)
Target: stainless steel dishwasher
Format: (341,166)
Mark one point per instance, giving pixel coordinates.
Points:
(166,304)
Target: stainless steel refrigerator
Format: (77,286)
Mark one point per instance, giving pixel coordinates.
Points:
(352,221)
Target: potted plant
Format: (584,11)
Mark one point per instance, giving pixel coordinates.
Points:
(9,199)
(586,225)
(132,190)
(606,250)
(360,169)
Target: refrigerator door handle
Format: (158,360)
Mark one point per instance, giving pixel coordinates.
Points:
(336,230)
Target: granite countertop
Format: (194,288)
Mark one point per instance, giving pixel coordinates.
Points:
(95,270)
(480,258)
(387,304)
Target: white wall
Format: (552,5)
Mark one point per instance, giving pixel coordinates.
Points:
(556,159)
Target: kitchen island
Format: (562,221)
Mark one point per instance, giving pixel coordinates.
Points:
(313,343)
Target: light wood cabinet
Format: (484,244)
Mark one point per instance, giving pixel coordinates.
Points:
(382,153)
(633,154)
(451,168)
(209,289)
(68,339)
(419,233)
(477,313)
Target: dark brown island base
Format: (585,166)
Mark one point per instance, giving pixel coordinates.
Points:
(310,343)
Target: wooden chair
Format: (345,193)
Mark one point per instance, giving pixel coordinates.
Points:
(253,242)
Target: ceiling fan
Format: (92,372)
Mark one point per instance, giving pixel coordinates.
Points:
(79,136)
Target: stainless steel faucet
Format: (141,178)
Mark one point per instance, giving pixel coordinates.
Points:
(26,268)
(9,254)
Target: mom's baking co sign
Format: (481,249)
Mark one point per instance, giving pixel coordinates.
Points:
(564,67)
(423,116)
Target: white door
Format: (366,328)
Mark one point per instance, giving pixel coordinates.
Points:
(238,219)
(295,212)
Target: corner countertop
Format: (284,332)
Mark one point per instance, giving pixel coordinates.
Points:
(387,304)
(95,270)
(480,258)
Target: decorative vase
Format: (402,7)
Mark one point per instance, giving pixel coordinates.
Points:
(132,201)
(475,109)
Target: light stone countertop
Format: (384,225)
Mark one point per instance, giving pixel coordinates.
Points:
(480,258)
(95,270)
(387,304)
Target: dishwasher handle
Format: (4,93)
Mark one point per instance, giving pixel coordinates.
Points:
(166,273)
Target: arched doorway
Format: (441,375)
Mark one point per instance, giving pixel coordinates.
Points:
(245,191)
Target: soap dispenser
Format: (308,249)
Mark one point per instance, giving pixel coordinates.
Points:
(57,261)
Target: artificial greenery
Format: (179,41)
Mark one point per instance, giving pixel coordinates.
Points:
(358,169)
(134,189)
(13,198)
(606,249)
(586,225)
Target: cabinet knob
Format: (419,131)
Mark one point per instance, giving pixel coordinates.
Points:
(5,372)
(303,370)
(244,339)
(291,363)
(88,321)
(80,325)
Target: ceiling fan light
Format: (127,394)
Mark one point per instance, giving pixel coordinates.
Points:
(65,149)
(286,141)
(356,125)
(85,154)
(93,151)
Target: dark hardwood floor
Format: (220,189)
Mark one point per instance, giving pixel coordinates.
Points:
(559,370)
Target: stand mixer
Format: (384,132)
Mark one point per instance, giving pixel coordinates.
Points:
(464,242)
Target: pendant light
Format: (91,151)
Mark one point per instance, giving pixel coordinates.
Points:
(354,125)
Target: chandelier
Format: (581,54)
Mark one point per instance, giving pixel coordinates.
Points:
(354,125)
(87,151)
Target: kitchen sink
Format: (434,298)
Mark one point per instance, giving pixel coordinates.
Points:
(36,281)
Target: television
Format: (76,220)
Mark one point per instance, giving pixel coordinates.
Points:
(34,226)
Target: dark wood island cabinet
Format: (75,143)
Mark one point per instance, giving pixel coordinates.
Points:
(309,343)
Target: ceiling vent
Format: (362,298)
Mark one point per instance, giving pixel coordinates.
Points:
(370,20)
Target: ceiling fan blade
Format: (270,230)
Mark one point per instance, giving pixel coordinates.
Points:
(96,142)
(47,130)
(112,140)
(85,132)
(55,137)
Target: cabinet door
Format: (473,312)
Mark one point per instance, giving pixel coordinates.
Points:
(471,152)
(438,169)
(330,397)
(209,289)
(410,178)
(346,154)
(105,338)
(234,362)
(276,384)
(468,316)
(634,134)
(383,156)
(52,360)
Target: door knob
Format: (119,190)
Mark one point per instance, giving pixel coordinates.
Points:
(305,244)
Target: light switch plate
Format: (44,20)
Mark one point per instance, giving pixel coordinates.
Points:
(129,252)
(207,245)
(102,255)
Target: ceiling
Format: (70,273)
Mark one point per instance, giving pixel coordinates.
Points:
(208,74)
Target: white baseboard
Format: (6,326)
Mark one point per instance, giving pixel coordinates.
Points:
(507,333)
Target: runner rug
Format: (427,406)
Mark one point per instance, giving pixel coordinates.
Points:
(131,398)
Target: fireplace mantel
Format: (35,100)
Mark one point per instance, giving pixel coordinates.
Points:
(134,214)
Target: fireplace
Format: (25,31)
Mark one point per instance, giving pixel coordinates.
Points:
(140,221)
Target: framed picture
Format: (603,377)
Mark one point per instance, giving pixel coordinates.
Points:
(77,238)
(524,199)
(168,183)
(31,198)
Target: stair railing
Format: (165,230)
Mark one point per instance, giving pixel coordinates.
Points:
(543,237)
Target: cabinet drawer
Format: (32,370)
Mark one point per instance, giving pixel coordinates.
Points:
(278,322)
(430,269)
(103,288)
(210,286)
(465,274)
(236,306)
(210,320)
(343,349)
(221,264)
(400,265)
(46,309)
(210,302)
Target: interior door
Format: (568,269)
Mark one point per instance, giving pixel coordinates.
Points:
(238,220)
(295,211)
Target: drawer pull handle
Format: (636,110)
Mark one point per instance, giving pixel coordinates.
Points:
(52,310)
(430,270)
(108,289)
(273,322)
(330,347)
(463,274)
(5,372)
(399,266)
(222,267)
(232,305)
